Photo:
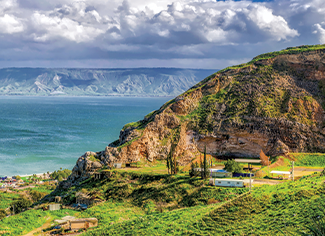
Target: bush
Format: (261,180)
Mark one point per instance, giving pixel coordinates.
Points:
(20,204)
(36,195)
(3,214)
(193,172)
(232,166)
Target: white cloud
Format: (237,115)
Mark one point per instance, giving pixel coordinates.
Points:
(52,27)
(10,24)
(165,30)
(320,31)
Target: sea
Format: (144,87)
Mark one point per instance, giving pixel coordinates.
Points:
(41,134)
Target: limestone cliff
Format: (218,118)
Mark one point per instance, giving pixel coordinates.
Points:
(274,103)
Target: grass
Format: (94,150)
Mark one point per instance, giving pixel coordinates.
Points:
(178,222)
(29,220)
(7,198)
(309,159)
(268,210)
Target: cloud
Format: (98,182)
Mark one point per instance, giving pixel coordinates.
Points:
(320,31)
(49,28)
(161,31)
(10,24)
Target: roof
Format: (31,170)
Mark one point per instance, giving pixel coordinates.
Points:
(248,160)
(92,220)
(280,172)
(234,180)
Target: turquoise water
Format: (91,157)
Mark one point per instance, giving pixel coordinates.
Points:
(40,134)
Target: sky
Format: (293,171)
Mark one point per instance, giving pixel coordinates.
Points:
(163,33)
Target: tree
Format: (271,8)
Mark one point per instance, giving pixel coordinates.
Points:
(20,204)
(172,164)
(193,171)
(232,166)
(204,165)
(3,214)
(36,195)
(168,164)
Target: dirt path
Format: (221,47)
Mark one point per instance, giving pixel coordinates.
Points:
(46,225)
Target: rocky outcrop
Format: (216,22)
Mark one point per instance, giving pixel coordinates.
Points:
(274,105)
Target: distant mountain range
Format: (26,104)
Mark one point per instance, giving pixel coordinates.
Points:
(99,82)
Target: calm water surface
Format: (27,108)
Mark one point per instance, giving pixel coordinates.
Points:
(40,134)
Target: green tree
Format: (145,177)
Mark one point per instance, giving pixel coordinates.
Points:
(204,165)
(36,195)
(3,214)
(232,166)
(20,204)
(193,171)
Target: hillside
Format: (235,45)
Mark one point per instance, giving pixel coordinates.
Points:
(98,82)
(273,103)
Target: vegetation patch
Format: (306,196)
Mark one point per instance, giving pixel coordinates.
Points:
(309,159)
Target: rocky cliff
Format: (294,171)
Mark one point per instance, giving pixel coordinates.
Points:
(274,103)
(98,82)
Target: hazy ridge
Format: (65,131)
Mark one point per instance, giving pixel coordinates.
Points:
(99,82)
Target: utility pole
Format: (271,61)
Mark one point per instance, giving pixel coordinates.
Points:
(293,171)
(268,165)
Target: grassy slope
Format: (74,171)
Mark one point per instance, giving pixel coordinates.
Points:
(309,159)
(27,221)
(268,210)
(287,207)
(7,198)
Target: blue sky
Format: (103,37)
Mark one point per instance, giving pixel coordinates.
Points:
(163,33)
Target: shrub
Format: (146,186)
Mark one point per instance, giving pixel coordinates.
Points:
(20,204)
(232,166)
(3,214)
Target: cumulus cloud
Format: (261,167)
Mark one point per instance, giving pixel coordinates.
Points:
(320,31)
(205,30)
(10,24)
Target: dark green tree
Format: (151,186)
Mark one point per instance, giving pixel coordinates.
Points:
(193,171)
(3,214)
(20,204)
(232,166)
(204,165)
(169,164)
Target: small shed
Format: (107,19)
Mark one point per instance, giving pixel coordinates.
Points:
(217,173)
(57,199)
(54,207)
(117,165)
(85,223)
(229,182)
(284,174)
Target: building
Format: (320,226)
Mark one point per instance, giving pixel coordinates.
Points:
(76,224)
(216,173)
(117,165)
(54,207)
(281,174)
(73,224)
(230,182)
(57,199)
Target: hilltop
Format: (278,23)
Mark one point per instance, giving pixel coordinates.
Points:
(98,82)
(273,103)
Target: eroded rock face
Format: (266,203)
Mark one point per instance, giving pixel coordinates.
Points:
(237,113)
(84,167)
